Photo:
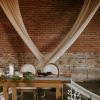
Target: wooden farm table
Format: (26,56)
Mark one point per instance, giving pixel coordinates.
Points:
(50,82)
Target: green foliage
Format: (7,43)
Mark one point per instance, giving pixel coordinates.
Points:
(27,79)
(3,78)
(15,78)
(83,98)
(27,73)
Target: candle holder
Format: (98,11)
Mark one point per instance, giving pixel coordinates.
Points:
(21,75)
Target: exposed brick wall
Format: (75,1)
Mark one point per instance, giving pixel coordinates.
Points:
(89,40)
(83,66)
(48,22)
(18,59)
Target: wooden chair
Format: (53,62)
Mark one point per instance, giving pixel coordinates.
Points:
(51,67)
(29,68)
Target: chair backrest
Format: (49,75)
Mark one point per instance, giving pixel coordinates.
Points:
(51,67)
(29,68)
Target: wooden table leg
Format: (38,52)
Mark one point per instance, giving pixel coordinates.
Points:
(34,91)
(39,94)
(14,93)
(59,94)
(6,93)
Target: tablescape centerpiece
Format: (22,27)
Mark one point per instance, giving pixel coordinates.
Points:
(3,78)
(15,78)
(24,77)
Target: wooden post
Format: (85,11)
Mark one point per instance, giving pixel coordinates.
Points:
(34,92)
(59,94)
(5,93)
(14,93)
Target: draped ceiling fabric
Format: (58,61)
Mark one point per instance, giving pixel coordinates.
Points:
(11,9)
(88,10)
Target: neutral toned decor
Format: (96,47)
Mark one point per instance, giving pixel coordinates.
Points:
(11,9)
(27,68)
(53,68)
(87,12)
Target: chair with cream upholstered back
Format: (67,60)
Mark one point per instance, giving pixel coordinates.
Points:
(29,68)
(51,67)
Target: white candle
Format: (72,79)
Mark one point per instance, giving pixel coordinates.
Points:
(11,69)
(21,75)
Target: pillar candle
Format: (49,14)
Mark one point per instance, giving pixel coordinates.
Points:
(11,69)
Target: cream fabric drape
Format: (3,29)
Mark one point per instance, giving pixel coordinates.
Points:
(11,9)
(88,10)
